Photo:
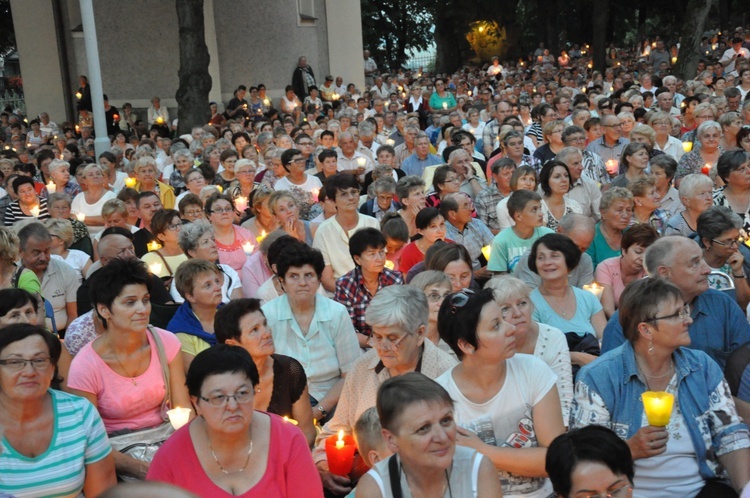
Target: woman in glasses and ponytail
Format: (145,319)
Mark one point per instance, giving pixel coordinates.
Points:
(506,406)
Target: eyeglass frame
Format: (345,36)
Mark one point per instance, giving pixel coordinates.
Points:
(393,345)
(682,313)
(223,399)
(615,493)
(22,362)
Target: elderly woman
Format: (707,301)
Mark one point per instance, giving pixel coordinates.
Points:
(194,183)
(538,339)
(734,169)
(90,202)
(211,157)
(696,194)
(191,208)
(222,382)
(197,241)
(62,237)
(616,273)
(59,174)
(552,133)
(590,461)
(285,209)
(445,181)
(315,330)
(59,209)
(146,174)
(709,135)
(731,124)
(554,180)
(45,431)
(663,168)
(398,316)
(263,222)
(704,437)
(163,262)
(234,242)
(523,178)
(175,175)
(646,202)
(616,209)
(244,181)
(28,204)
(719,235)
(124,372)
(633,164)
(507,405)
(198,282)
(226,176)
(661,123)
(436,285)
(560,305)
(418,426)
(283,384)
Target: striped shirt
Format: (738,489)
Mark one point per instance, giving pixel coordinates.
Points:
(78,439)
(13,212)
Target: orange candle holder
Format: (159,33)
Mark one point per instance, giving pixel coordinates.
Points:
(340,453)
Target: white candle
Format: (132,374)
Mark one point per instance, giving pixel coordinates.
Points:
(248,247)
(80,217)
(51,187)
(178,416)
(240,203)
(594,288)
(35,211)
(361,161)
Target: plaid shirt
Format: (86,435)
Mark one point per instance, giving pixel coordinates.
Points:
(486,204)
(352,293)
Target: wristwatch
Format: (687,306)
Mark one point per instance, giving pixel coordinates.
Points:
(321,410)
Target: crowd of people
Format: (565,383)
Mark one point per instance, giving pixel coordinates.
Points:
(475,277)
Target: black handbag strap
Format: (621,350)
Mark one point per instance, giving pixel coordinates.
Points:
(395,476)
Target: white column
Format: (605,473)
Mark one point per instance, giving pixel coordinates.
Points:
(101,143)
(344,26)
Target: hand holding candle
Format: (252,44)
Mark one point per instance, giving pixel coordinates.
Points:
(81,217)
(248,247)
(35,211)
(612,166)
(340,453)
(155,268)
(658,407)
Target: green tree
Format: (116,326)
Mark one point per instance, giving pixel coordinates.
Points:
(393,28)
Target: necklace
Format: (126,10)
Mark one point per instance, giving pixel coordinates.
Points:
(559,302)
(216,459)
(647,376)
(138,369)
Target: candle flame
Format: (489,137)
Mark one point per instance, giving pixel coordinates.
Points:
(155,268)
(80,217)
(248,247)
(130,182)
(153,246)
(35,211)
(260,237)
(389,264)
(341,435)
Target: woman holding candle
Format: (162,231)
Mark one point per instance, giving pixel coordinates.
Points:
(289,101)
(616,209)
(418,425)
(45,431)
(442,101)
(146,174)
(263,221)
(662,125)
(230,238)
(617,272)
(121,371)
(733,168)
(282,388)
(89,203)
(165,227)
(28,204)
(554,181)
(704,438)
(507,405)
(232,449)
(633,164)
(398,315)
(696,195)
(285,210)
(60,179)
(243,184)
(226,176)
(705,158)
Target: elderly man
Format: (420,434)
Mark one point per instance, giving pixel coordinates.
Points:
(463,229)
(350,160)
(486,200)
(58,279)
(416,163)
(371,67)
(406,149)
(671,83)
(609,147)
(147,203)
(582,189)
(399,122)
(469,173)
(719,326)
(379,89)
(302,78)
(665,100)
(500,111)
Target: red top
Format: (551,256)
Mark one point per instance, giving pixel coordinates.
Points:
(410,256)
(290,471)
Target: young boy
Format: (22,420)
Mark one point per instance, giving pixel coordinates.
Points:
(525,207)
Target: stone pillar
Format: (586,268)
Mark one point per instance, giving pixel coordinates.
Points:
(344,26)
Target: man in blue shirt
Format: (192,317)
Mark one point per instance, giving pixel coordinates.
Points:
(719,325)
(610,145)
(421,158)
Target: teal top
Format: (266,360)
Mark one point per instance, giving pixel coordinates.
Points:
(599,250)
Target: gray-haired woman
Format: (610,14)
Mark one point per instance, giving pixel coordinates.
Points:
(733,168)
(709,135)
(436,285)
(696,194)
(398,315)
(197,241)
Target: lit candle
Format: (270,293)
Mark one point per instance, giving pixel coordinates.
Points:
(361,161)
(153,246)
(155,268)
(130,182)
(583,89)
(178,416)
(468,93)
(687,146)
(340,453)
(219,188)
(51,187)
(266,102)
(80,217)
(262,236)
(389,264)
(653,45)
(390,142)
(315,193)
(674,60)
(79,95)
(240,203)
(658,407)
(335,96)
(445,105)
(612,166)
(594,288)
(35,211)
(290,420)
(590,65)
(160,120)
(400,88)
(116,117)
(486,251)
(248,247)
(244,106)
(78,129)
(706,169)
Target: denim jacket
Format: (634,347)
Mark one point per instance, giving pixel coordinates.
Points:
(608,392)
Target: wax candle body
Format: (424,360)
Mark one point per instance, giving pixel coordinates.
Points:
(658,407)
(340,454)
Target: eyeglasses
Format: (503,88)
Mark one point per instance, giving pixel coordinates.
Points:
(379,342)
(729,243)
(241,397)
(305,143)
(298,160)
(175,227)
(682,313)
(373,255)
(18,364)
(615,493)
(245,172)
(460,299)
(194,212)
(434,297)
(222,210)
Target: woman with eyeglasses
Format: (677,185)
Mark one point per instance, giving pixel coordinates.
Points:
(244,180)
(662,125)
(506,405)
(194,181)
(705,440)
(46,432)
(436,285)
(733,168)
(163,262)
(708,134)
(398,316)
(233,449)
(235,243)
(720,238)
(445,181)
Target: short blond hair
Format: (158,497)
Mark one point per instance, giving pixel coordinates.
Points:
(367,433)
(113,206)
(62,229)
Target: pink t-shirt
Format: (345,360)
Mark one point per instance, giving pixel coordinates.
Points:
(608,272)
(290,471)
(233,255)
(121,404)
(254,274)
